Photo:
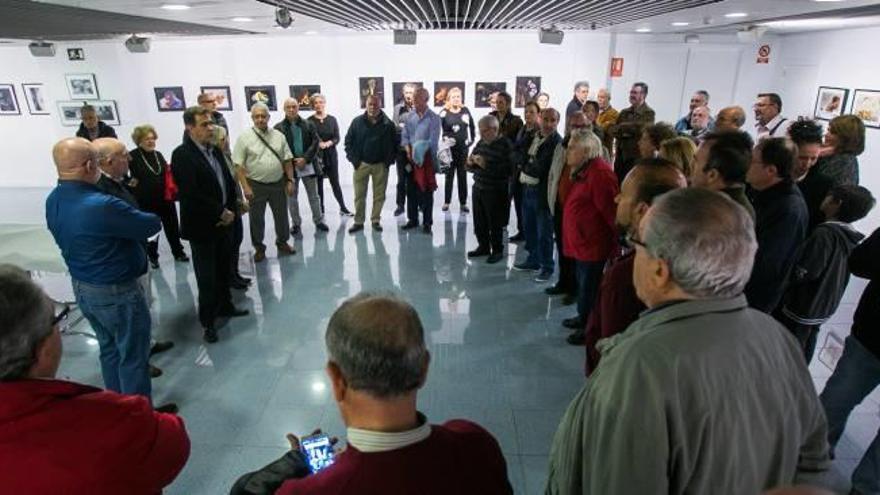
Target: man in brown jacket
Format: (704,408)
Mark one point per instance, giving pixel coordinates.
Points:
(628,129)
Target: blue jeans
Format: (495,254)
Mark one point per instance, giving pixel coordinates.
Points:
(538,225)
(856,375)
(120,317)
(589,276)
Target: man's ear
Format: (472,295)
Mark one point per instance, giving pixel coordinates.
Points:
(337,381)
(425,366)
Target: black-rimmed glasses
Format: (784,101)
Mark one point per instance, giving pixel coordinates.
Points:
(633,241)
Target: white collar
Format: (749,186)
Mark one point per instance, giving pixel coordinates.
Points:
(368,441)
(772,123)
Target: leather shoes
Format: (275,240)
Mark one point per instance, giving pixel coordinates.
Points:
(160,347)
(155,372)
(356,228)
(182,257)
(322,227)
(210,335)
(409,225)
(234,312)
(169,408)
(154,264)
(476,253)
(577,338)
(259,255)
(554,290)
(239,285)
(426,229)
(377,227)
(574,323)
(241,279)
(284,249)
(296,230)
(398,211)
(568,300)
(519,237)
(494,258)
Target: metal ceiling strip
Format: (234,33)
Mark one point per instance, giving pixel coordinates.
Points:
(372,16)
(486,15)
(391,15)
(446,12)
(425,15)
(407,24)
(473,20)
(416,24)
(436,14)
(342,17)
(516,7)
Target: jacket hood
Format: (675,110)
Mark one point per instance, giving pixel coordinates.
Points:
(844,231)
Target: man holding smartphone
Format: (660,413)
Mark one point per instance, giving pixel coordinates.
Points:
(377,363)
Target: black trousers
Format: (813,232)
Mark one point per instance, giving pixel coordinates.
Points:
(491,207)
(211,261)
(237,238)
(418,200)
(516,193)
(567,271)
(402,160)
(332,174)
(167,212)
(459,156)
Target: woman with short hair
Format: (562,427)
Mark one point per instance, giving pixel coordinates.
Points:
(844,142)
(681,151)
(652,136)
(328,135)
(457,123)
(148,170)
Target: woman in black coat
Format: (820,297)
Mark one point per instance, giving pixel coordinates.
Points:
(328,133)
(147,169)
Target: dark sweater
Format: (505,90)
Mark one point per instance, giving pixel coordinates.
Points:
(496,174)
(539,168)
(864,262)
(371,142)
(328,130)
(150,188)
(509,126)
(459,126)
(738,194)
(781,220)
(841,168)
(309,137)
(820,274)
(104,130)
(815,187)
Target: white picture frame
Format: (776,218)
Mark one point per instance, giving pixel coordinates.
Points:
(70,112)
(82,86)
(35,96)
(9,100)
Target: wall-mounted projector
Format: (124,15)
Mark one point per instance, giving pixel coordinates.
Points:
(750,34)
(404,37)
(283,17)
(550,36)
(136,44)
(42,49)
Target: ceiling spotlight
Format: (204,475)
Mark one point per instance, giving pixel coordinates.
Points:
(283,17)
(643,30)
(736,15)
(681,24)
(242,19)
(175,6)
(311,33)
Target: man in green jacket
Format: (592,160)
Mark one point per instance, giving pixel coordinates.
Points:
(701,394)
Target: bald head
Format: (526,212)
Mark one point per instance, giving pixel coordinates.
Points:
(76,159)
(730,119)
(112,157)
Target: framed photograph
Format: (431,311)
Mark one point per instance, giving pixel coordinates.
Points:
(866,106)
(170,99)
(262,94)
(830,102)
(76,54)
(35,98)
(70,111)
(484,93)
(303,94)
(441,89)
(8,100)
(527,89)
(222,95)
(397,89)
(369,86)
(82,86)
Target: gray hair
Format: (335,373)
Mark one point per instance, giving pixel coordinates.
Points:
(704,94)
(488,121)
(25,318)
(317,96)
(707,239)
(378,343)
(260,106)
(587,140)
(219,135)
(581,84)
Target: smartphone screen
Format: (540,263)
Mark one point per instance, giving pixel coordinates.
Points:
(319,452)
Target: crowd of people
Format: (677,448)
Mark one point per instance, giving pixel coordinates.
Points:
(702,260)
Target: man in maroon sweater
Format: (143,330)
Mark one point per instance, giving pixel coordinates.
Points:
(617,305)
(377,363)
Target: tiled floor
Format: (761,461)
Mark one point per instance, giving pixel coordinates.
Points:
(498,351)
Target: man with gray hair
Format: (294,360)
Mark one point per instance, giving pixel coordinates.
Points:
(377,363)
(702,394)
(700,98)
(80,439)
(92,127)
(730,119)
(581,94)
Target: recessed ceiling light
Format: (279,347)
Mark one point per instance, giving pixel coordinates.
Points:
(311,33)
(734,15)
(643,30)
(242,19)
(681,23)
(175,6)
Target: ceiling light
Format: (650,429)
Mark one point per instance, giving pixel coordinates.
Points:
(242,19)
(311,33)
(643,30)
(735,15)
(175,6)
(681,23)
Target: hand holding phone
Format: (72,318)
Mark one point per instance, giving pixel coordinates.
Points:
(319,451)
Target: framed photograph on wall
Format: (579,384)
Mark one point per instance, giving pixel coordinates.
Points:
(82,86)
(397,89)
(866,106)
(303,94)
(35,98)
(8,100)
(222,96)
(263,94)
(70,111)
(170,98)
(441,89)
(527,89)
(830,102)
(484,93)
(369,86)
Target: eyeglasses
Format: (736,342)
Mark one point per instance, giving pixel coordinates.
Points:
(61,316)
(633,241)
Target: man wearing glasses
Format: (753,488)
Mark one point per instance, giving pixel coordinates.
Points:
(768,113)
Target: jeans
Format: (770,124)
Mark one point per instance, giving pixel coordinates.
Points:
(856,375)
(120,317)
(589,276)
(538,225)
(566,265)
(516,196)
(362,175)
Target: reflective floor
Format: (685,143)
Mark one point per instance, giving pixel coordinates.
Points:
(498,351)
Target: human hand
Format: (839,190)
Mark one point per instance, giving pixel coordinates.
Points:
(226,218)
(248,193)
(479,161)
(295,444)
(133,182)
(244,206)
(299,162)
(289,188)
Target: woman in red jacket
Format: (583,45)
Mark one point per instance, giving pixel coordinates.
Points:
(589,232)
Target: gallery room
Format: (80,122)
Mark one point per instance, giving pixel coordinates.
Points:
(439,246)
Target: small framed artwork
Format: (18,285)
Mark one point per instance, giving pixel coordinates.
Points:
(170,98)
(71,116)
(222,96)
(82,86)
(830,102)
(441,90)
(527,89)
(35,98)
(76,54)
(8,100)
(260,94)
(107,111)
(371,86)
(303,94)
(485,92)
(866,106)
(397,89)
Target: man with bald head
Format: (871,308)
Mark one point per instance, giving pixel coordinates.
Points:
(113,161)
(102,240)
(730,119)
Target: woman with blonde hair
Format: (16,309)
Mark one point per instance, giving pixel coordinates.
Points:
(457,123)
(328,135)
(681,151)
(844,142)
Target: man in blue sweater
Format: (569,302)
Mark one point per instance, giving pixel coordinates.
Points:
(101,238)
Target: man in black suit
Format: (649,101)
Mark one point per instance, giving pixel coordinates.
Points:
(206,191)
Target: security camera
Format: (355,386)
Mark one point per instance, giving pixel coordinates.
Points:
(283,17)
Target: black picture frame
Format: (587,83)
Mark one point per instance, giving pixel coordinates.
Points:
(368,86)
(35,98)
(9,100)
(302,93)
(441,88)
(830,102)
(527,89)
(866,106)
(225,92)
(484,90)
(264,93)
(170,98)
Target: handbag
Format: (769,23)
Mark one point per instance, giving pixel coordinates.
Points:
(170,193)
(318,162)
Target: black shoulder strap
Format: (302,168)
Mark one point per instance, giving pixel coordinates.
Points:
(267,145)
(773,131)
